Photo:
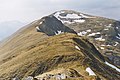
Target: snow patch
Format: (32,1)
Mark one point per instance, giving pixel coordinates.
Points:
(84,16)
(59,77)
(40,23)
(117,37)
(80,21)
(106,29)
(108,45)
(69,18)
(89,30)
(102,45)
(116,43)
(38,28)
(57,14)
(110,25)
(112,66)
(102,48)
(69,22)
(100,39)
(83,33)
(97,48)
(93,34)
(117,27)
(77,47)
(118,34)
(58,32)
(72,16)
(91,73)
(63,76)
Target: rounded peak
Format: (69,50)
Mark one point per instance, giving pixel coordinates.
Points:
(70,16)
(71,12)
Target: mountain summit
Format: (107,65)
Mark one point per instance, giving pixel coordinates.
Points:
(65,45)
(104,33)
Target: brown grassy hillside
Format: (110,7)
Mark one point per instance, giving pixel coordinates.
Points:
(31,53)
(53,53)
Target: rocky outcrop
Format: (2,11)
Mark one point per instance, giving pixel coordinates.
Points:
(50,25)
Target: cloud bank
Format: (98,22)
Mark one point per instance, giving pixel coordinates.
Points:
(28,10)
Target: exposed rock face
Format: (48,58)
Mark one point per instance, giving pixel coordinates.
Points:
(60,74)
(50,25)
(85,47)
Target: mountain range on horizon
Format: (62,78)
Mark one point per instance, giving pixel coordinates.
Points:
(65,45)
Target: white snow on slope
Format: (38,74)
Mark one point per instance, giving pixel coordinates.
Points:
(70,18)
(82,33)
(117,37)
(117,28)
(102,45)
(116,43)
(106,29)
(100,39)
(77,47)
(91,73)
(40,23)
(57,15)
(112,66)
(110,25)
(74,21)
(89,30)
(69,22)
(73,15)
(79,21)
(58,32)
(38,28)
(84,16)
(118,34)
(93,34)
(102,48)
(108,45)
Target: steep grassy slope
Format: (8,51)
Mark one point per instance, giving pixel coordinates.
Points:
(54,53)
(22,39)
(47,48)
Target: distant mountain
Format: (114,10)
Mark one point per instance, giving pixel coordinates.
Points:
(65,45)
(9,27)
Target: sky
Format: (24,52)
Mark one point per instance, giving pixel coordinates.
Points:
(29,10)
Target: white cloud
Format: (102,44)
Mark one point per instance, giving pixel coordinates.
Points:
(28,10)
(55,0)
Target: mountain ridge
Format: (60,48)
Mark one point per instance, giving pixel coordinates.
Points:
(58,47)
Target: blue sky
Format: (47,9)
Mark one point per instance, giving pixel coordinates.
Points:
(30,10)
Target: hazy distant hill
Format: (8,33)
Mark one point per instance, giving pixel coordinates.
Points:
(9,27)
